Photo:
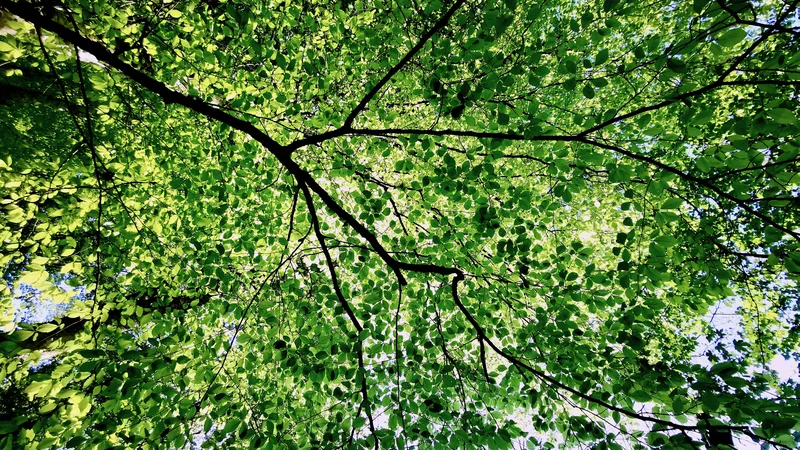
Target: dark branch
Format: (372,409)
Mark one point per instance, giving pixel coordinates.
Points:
(346,127)
(305,179)
(557,384)
(342,302)
(699,181)
(677,98)
(334,279)
(423,40)
(27,12)
(462,133)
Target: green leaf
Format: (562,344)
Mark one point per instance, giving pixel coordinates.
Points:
(782,116)
(47,328)
(587,19)
(672,203)
(699,5)
(601,57)
(231,426)
(778,424)
(33,278)
(9,348)
(610,5)
(732,37)
(678,405)
(588,91)
(703,164)
(657,439)
(724,369)
(666,241)
(39,388)
(676,65)
(710,401)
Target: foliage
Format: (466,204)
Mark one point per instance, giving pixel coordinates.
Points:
(400,224)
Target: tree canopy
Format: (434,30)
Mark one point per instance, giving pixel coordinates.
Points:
(399,224)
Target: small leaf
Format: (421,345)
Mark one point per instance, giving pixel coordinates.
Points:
(672,203)
(502,118)
(47,408)
(33,278)
(677,405)
(779,423)
(731,37)
(676,65)
(666,241)
(8,348)
(710,401)
(587,19)
(47,328)
(601,57)
(588,91)
(231,426)
(175,13)
(782,116)
(699,5)
(39,388)
(702,164)
(609,5)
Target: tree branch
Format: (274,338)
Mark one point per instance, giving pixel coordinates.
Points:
(344,304)
(699,181)
(462,133)
(334,279)
(348,122)
(31,14)
(346,127)
(700,91)
(555,383)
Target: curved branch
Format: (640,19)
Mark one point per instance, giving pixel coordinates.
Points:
(588,398)
(462,133)
(29,13)
(346,127)
(674,99)
(305,179)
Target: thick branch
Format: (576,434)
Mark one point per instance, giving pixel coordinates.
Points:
(31,14)
(463,133)
(199,106)
(342,302)
(306,180)
(396,266)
